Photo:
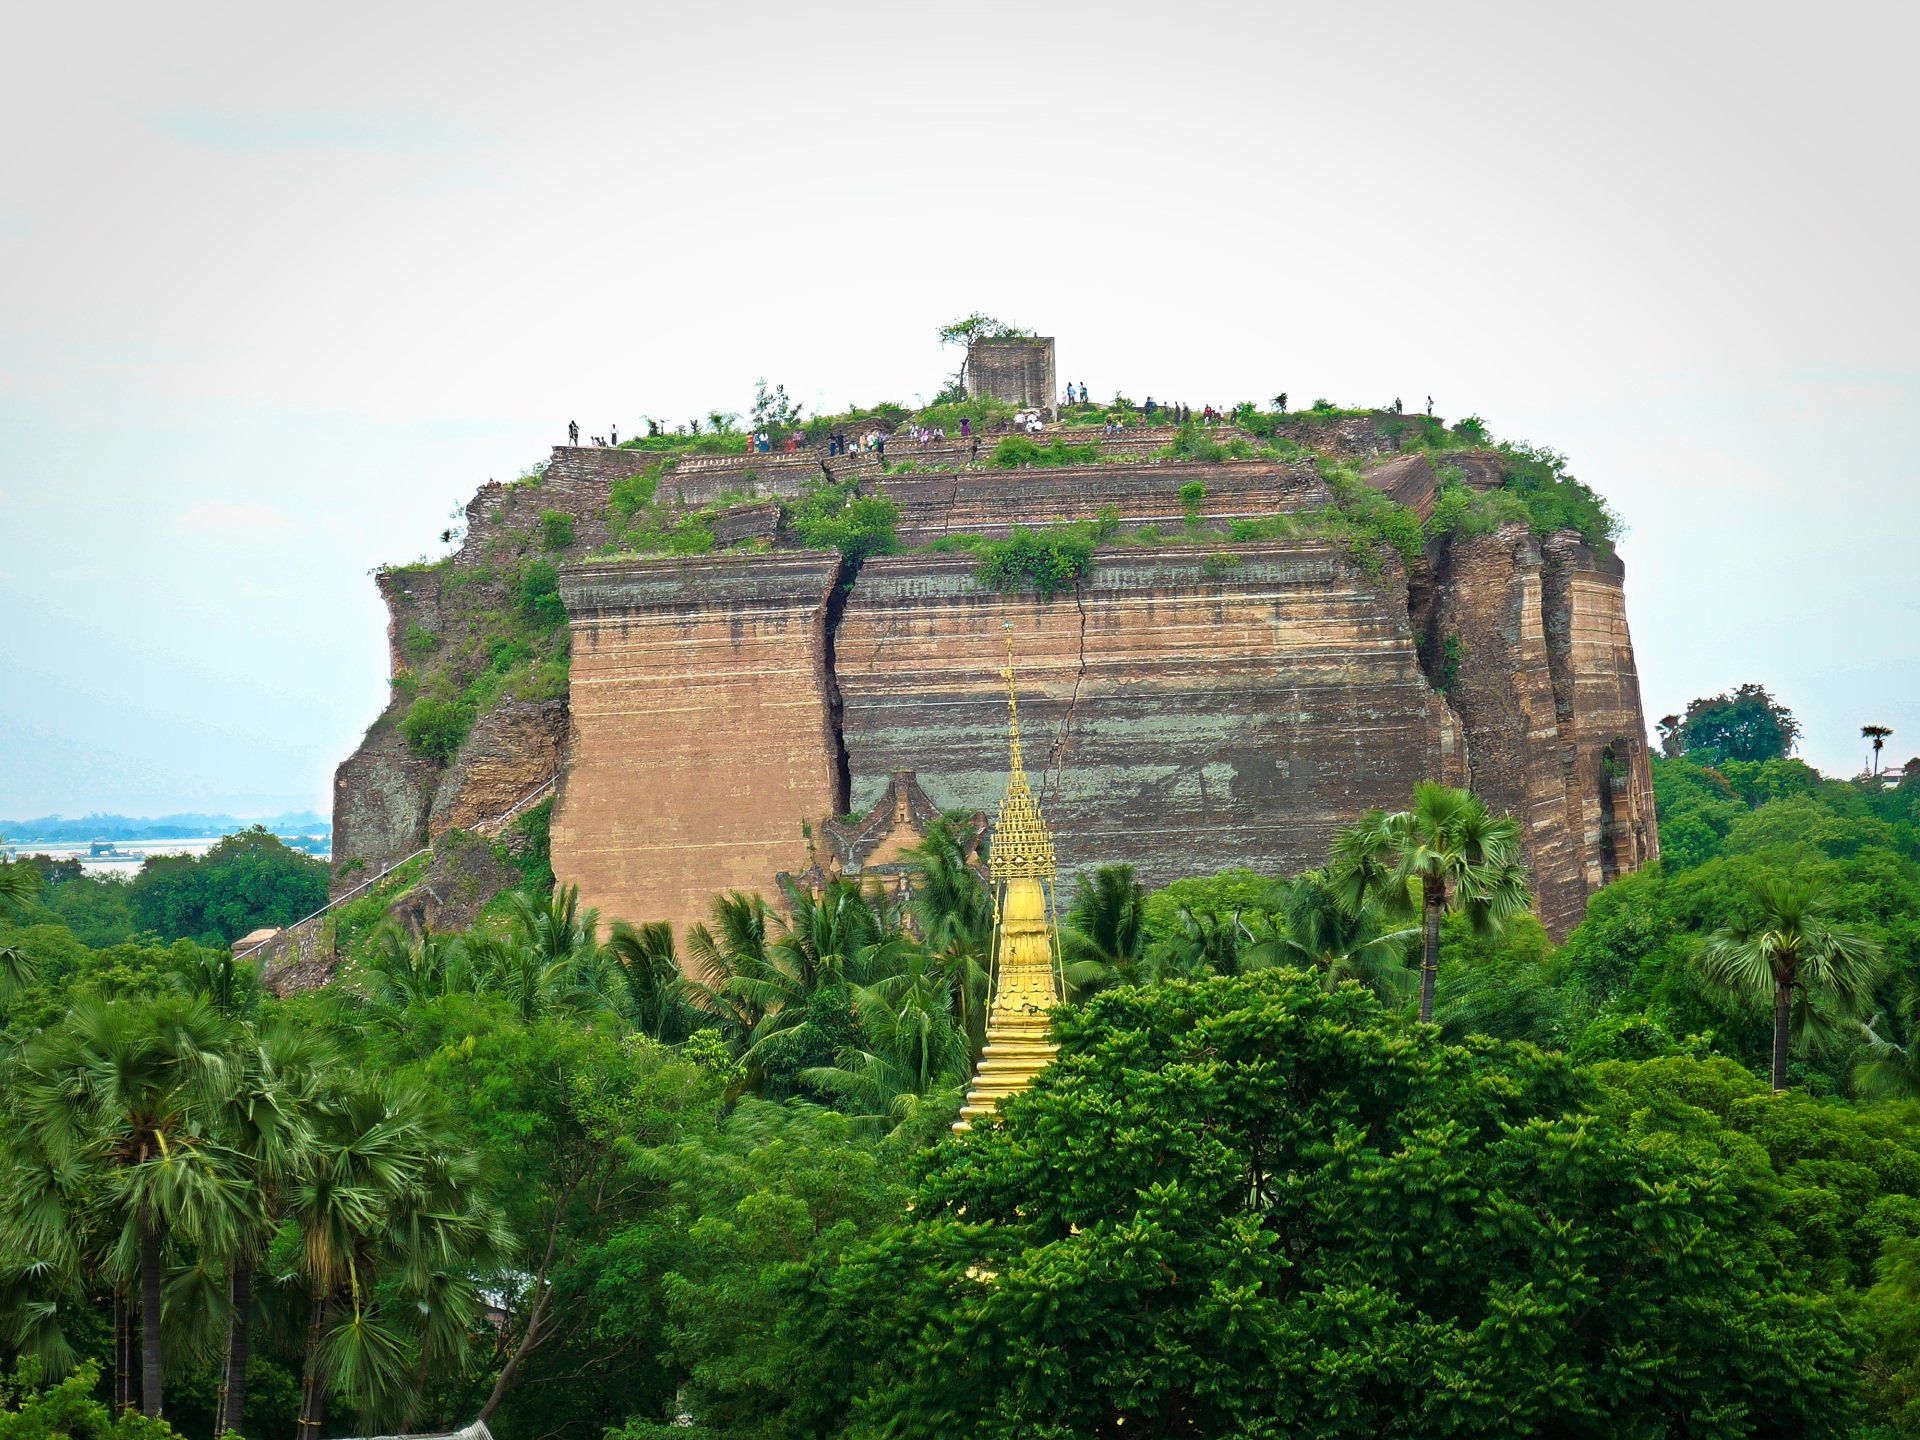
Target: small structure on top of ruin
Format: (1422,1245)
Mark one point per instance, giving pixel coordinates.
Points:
(1015,369)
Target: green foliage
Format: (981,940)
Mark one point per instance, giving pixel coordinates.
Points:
(536,594)
(1370,523)
(435,726)
(1554,500)
(1050,560)
(1268,1210)
(1015,451)
(976,326)
(1442,661)
(836,516)
(556,530)
(1748,724)
(70,1410)
(1192,441)
(420,641)
(1192,493)
(245,881)
(1238,892)
(627,497)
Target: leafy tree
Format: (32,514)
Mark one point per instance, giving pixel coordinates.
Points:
(772,410)
(70,1410)
(1451,852)
(245,881)
(1788,956)
(1252,1207)
(1747,724)
(977,326)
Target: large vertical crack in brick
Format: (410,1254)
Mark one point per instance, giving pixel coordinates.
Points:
(836,739)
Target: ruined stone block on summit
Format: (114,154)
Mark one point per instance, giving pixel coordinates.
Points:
(1017,370)
(1185,711)
(702,737)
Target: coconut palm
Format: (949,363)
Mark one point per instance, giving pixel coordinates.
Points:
(1450,851)
(1103,941)
(658,995)
(952,910)
(735,943)
(1788,955)
(548,959)
(127,1087)
(911,1054)
(1342,942)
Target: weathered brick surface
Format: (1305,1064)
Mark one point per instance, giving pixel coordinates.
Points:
(381,795)
(511,750)
(1016,371)
(1413,480)
(1182,713)
(702,735)
(936,504)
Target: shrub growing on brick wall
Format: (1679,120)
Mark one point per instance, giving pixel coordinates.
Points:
(434,727)
(556,529)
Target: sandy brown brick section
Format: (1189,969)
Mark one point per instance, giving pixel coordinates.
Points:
(1185,711)
(701,729)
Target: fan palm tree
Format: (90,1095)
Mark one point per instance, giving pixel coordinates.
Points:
(389,1201)
(127,1086)
(266,1122)
(401,968)
(549,959)
(1324,934)
(19,883)
(1450,851)
(1104,940)
(1890,1070)
(1788,955)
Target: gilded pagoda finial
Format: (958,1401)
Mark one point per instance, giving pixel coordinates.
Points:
(1022,844)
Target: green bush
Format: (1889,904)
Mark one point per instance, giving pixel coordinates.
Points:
(838,517)
(1050,560)
(635,492)
(556,530)
(1191,494)
(537,594)
(1018,450)
(1192,442)
(419,642)
(434,727)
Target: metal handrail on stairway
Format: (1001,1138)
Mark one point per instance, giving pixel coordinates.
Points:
(385,870)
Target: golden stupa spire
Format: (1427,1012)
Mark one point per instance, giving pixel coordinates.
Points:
(1026,935)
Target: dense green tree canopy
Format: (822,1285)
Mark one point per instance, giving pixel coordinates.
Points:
(1250,1207)
(246,881)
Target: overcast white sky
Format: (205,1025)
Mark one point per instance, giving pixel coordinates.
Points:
(280,286)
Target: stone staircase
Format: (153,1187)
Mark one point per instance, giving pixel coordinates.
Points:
(1018,1048)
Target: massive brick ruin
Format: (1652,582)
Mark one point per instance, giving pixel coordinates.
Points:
(1189,707)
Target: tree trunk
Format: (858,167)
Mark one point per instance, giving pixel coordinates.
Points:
(153,1367)
(1430,907)
(233,1392)
(1782,1031)
(313,1393)
(122,1353)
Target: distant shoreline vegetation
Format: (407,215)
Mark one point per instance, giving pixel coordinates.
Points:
(59,829)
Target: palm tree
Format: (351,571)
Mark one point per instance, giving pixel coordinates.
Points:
(1104,940)
(735,943)
(390,1201)
(1878,734)
(127,1085)
(1342,943)
(657,992)
(1451,850)
(549,959)
(401,968)
(952,909)
(1787,954)
(912,1054)
(19,883)
(266,1123)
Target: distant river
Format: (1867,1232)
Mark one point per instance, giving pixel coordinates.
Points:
(124,860)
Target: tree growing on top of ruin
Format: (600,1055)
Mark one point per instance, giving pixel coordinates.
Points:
(976,326)
(772,409)
(1748,724)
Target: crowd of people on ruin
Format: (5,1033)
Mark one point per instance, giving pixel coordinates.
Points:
(1072,390)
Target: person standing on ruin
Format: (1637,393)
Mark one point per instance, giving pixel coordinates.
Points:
(613,432)
(1429,405)
(573,432)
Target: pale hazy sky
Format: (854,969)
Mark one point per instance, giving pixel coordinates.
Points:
(280,286)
